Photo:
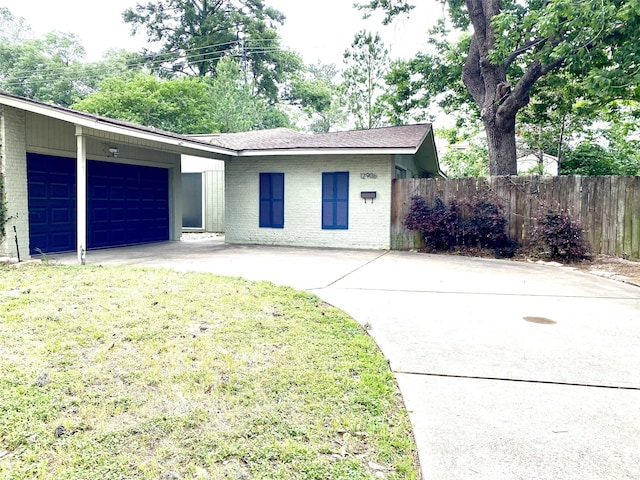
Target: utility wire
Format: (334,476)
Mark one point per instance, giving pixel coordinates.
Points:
(187,54)
(49,75)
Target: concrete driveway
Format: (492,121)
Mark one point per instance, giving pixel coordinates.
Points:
(508,370)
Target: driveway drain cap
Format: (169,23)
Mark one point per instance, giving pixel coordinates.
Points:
(540,320)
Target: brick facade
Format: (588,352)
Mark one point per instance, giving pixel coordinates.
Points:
(13,167)
(369,223)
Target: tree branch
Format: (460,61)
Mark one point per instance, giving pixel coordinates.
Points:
(516,53)
(519,97)
(471,75)
(552,66)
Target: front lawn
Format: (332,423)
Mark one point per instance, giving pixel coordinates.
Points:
(123,373)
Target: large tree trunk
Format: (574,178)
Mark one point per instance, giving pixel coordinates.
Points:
(488,85)
(501,142)
(498,101)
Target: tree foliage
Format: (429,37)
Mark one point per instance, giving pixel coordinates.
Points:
(399,101)
(49,70)
(316,92)
(553,117)
(13,29)
(609,147)
(429,79)
(186,105)
(143,98)
(366,65)
(194,35)
(52,69)
(234,108)
(468,162)
(516,44)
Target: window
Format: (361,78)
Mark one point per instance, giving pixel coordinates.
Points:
(335,200)
(192,200)
(272,200)
(401,172)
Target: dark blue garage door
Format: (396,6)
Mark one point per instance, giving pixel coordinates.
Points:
(127,204)
(52,203)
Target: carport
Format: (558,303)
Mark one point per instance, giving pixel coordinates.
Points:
(76,181)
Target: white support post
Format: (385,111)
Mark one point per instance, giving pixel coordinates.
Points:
(81,194)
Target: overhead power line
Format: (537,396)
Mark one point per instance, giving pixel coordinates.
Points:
(188,54)
(49,75)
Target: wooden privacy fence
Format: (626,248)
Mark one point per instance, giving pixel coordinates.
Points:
(608,207)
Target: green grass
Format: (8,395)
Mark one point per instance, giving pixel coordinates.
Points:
(156,371)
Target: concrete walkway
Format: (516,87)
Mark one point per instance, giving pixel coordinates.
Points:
(509,370)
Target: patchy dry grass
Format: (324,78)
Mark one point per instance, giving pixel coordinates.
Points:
(121,373)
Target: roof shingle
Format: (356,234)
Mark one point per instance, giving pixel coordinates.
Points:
(407,136)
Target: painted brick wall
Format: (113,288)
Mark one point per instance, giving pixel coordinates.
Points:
(14,172)
(369,224)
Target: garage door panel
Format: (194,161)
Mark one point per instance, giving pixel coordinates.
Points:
(117,215)
(133,194)
(118,235)
(117,193)
(38,190)
(60,216)
(61,240)
(60,191)
(100,192)
(37,239)
(38,216)
(99,236)
(100,215)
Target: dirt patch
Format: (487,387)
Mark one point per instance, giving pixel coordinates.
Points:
(612,267)
(606,266)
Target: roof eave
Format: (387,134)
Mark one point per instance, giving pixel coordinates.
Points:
(86,120)
(154,137)
(326,151)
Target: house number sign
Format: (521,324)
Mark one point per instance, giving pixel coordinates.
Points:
(368,175)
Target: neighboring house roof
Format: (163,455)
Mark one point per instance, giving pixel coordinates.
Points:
(530,164)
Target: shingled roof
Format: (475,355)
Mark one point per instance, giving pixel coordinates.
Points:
(182,143)
(408,137)
(404,140)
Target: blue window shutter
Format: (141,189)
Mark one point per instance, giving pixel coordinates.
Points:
(271,200)
(342,200)
(327,200)
(335,200)
(265,200)
(277,200)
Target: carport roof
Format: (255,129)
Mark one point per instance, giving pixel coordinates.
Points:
(188,145)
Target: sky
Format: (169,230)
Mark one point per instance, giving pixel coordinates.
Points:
(320,30)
